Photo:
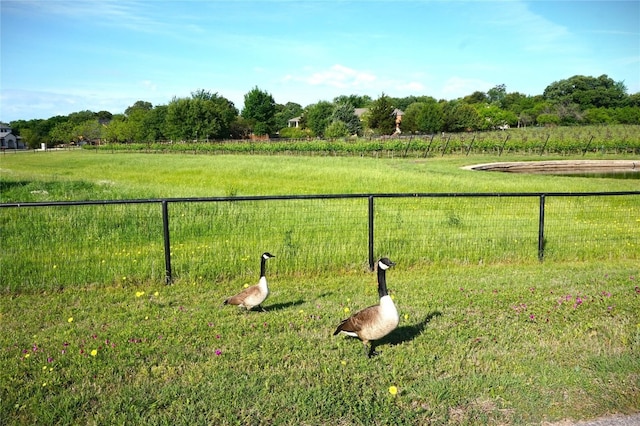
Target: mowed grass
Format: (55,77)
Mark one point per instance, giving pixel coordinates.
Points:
(511,341)
(476,345)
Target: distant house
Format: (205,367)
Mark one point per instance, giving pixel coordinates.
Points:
(398,113)
(294,122)
(359,112)
(8,140)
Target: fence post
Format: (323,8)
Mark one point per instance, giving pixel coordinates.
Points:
(541,230)
(503,145)
(544,145)
(446,145)
(371,254)
(167,245)
(586,148)
(471,144)
(426,152)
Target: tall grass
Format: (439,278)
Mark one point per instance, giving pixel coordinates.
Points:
(59,246)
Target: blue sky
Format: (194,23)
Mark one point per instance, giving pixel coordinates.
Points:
(59,57)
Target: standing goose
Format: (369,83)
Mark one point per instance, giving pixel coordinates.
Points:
(256,294)
(374,322)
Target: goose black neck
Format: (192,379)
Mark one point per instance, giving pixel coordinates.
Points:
(263,266)
(382,282)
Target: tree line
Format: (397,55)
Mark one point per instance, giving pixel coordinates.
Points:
(206,116)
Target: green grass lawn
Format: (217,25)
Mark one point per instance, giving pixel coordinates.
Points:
(500,344)
(90,175)
(504,340)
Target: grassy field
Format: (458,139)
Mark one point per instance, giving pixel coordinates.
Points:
(506,341)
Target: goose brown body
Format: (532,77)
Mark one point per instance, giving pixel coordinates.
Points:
(253,296)
(250,296)
(374,322)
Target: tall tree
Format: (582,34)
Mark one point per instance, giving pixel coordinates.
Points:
(381,117)
(318,116)
(497,94)
(260,108)
(138,106)
(204,116)
(345,113)
(587,92)
(459,117)
(355,101)
(423,117)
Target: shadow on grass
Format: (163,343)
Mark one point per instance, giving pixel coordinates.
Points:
(285,305)
(407,333)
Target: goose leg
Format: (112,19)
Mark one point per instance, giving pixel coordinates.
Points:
(371,353)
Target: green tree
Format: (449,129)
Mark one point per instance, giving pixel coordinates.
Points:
(476,97)
(547,119)
(62,133)
(29,137)
(87,131)
(76,118)
(598,116)
(633,100)
(104,116)
(403,103)
(260,109)
(115,131)
(337,129)
(497,95)
(136,121)
(154,123)
(345,113)
(587,92)
(355,101)
(240,128)
(317,117)
(491,117)
(381,117)
(203,116)
(459,117)
(423,117)
(626,115)
(138,106)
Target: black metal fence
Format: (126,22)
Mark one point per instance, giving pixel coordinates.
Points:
(54,244)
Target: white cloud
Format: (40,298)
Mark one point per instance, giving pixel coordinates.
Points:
(341,77)
(412,87)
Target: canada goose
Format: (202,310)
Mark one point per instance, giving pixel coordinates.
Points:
(256,294)
(374,322)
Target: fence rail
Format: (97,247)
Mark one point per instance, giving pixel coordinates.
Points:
(53,244)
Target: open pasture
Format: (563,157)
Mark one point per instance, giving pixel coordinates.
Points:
(486,337)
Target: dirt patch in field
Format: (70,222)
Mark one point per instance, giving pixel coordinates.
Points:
(561,166)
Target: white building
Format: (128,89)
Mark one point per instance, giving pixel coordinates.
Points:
(8,140)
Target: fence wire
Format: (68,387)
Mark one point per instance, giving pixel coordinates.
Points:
(54,246)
